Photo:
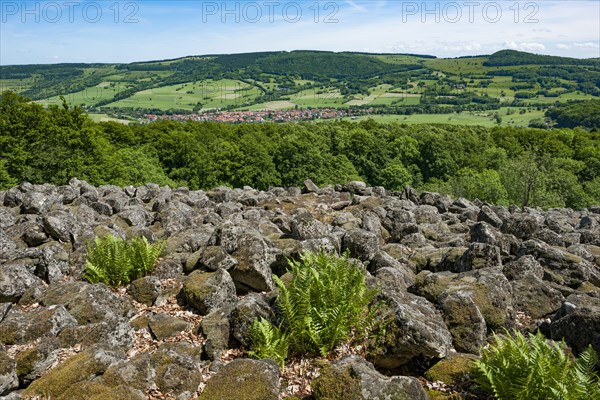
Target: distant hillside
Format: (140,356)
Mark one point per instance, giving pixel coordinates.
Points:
(399,84)
(513,57)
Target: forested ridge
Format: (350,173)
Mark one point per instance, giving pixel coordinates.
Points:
(526,167)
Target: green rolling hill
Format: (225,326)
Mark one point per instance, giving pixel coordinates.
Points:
(508,82)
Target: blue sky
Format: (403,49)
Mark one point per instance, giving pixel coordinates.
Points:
(125,31)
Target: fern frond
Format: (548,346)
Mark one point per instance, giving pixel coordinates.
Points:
(114,261)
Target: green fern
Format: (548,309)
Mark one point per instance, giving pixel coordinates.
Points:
(520,368)
(325,304)
(143,256)
(115,262)
(268,342)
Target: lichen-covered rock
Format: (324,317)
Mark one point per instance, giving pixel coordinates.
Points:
(482,232)
(13,197)
(113,333)
(488,287)
(87,303)
(20,327)
(486,214)
(176,217)
(7,245)
(244,379)
(476,266)
(208,291)
(211,258)
(361,244)
(37,202)
(247,309)
(562,267)
(54,263)
(136,373)
(523,267)
(15,279)
(353,378)
(253,269)
(216,329)
(477,256)
(136,216)
(464,321)
(524,225)
(416,328)
(177,367)
(304,226)
(8,373)
(427,214)
(436,259)
(577,322)
(191,240)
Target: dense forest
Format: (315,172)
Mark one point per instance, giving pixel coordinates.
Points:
(526,167)
(570,115)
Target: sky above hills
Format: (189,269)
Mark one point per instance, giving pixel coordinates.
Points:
(115,31)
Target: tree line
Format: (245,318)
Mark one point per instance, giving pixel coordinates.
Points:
(526,167)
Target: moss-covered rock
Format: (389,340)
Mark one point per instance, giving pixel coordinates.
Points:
(163,326)
(34,361)
(145,290)
(207,291)
(88,303)
(244,379)
(177,367)
(353,378)
(26,361)
(452,370)
(245,312)
(136,373)
(437,395)
(464,321)
(488,287)
(140,322)
(336,385)
(99,391)
(79,368)
(535,297)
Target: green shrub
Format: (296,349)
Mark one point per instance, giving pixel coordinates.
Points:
(532,368)
(114,261)
(268,341)
(325,304)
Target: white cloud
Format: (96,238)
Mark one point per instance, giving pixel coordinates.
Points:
(587,45)
(525,46)
(461,47)
(577,45)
